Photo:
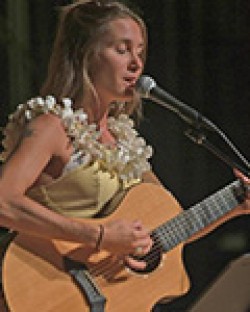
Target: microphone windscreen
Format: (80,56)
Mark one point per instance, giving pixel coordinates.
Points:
(144,85)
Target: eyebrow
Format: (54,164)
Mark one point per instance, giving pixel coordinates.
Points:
(127,40)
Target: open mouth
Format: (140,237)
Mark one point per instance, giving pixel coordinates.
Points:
(130,81)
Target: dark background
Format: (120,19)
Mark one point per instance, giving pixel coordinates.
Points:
(198,51)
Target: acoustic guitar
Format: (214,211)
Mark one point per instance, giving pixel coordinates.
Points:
(58,276)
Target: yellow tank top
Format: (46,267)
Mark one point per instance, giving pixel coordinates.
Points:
(82,192)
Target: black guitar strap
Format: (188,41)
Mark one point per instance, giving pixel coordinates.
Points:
(84,281)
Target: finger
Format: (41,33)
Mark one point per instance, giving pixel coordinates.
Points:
(137,224)
(139,251)
(148,247)
(142,250)
(135,264)
(142,239)
(247,191)
(142,247)
(141,233)
(241,176)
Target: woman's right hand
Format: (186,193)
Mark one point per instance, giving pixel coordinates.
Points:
(127,239)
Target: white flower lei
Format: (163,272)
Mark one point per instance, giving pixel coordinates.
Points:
(129,157)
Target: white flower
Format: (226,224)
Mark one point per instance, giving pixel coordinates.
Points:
(81,115)
(28,114)
(140,142)
(140,151)
(148,152)
(20,107)
(39,101)
(67,113)
(50,102)
(67,102)
(31,103)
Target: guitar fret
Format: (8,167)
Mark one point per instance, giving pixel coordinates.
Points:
(190,230)
(204,214)
(174,227)
(177,228)
(194,215)
(222,204)
(207,212)
(188,214)
(210,207)
(214,209)
(184,226)
(174,233)
(232,202)
(165,235)
(196,222)
(168,237)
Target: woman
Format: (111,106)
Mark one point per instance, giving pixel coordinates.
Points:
(73,152)
(64,155)
(98,55)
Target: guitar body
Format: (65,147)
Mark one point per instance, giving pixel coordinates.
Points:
(34,278)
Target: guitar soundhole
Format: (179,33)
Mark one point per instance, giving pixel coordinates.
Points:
(152,259)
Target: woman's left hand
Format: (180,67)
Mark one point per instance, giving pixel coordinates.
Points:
(246,182)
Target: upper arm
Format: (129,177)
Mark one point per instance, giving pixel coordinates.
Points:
(42,138)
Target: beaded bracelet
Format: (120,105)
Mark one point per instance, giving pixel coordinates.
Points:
(100,237)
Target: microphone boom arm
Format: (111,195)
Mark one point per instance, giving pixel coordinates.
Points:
(187,113)
(147,88)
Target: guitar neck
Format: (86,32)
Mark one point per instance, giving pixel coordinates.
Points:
(186,224)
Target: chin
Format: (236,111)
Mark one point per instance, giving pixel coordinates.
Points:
(129,95)
(126,95)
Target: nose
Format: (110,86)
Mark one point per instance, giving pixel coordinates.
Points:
(136,63)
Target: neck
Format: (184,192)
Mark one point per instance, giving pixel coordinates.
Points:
(97,112)
(106,136)
(103,123)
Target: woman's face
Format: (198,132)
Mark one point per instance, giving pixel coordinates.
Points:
(119,63)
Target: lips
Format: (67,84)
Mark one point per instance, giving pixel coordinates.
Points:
(130,81)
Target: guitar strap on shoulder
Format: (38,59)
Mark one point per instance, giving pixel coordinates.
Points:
(83,279)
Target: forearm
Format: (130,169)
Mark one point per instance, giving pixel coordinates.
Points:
(22,214)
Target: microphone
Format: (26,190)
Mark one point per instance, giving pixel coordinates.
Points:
(148,89)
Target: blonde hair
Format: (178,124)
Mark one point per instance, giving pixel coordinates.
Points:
(81,27)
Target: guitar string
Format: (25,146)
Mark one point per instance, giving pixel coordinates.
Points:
(105,270)
(164,236)
(151,256)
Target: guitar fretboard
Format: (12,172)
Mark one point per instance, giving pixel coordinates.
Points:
(191,221)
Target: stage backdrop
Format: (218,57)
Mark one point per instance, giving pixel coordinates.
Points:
(199,52)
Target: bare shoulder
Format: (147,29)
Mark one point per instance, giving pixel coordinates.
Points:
(48,130)
(47,121)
